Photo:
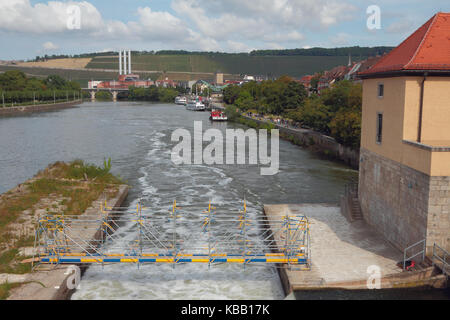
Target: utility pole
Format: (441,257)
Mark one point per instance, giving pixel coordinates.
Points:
(3,99)
(54,97)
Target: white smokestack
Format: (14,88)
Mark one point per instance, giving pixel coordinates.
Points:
(125,62)
(120,62)
(129,61)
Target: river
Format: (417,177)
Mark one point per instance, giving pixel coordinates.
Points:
(137,137)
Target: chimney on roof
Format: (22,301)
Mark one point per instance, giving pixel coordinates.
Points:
(349,59)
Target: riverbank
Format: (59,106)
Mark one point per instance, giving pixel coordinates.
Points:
(72,189)
(314,141)
(344,255)
(21,110)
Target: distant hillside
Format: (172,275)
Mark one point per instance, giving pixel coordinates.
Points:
(355,52)
(187,65)
(81,76)
(60,63)
(272,66)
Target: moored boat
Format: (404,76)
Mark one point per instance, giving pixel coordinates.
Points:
(181,100)
(195,106)
(218,115)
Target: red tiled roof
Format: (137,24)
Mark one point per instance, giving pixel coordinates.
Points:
(426,49)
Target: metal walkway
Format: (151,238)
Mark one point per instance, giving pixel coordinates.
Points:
(209,238)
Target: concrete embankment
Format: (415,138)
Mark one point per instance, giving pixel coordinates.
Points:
(51,282)
(15,111)
(344,255)
(318,142)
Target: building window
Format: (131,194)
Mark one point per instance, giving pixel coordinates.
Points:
(379,127)
(380,90)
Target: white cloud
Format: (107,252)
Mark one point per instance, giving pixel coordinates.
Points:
(236,46)
(49,46)
(400,26)
(284,37)
(341,39)
(207,25)
(269,21)
(21,16)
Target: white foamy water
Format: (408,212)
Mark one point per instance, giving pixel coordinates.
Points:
(160,181)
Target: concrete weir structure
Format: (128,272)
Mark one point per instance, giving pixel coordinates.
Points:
(346,255)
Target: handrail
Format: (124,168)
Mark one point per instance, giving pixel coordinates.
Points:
(445,264)
(421,252)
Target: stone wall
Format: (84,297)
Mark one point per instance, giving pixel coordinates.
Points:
(405,205)
(439,212)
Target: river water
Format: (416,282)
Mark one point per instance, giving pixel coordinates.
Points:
(137,137)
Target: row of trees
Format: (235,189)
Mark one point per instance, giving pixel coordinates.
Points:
(29,97)
(335,112)
(343,51)
(155,94)
(17,88)
(267,97)
(16,80)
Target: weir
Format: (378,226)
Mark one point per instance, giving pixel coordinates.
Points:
(212,239)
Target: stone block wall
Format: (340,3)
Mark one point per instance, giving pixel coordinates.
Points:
(405,205)
(439,212)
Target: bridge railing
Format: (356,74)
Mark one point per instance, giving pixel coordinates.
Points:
(177,237)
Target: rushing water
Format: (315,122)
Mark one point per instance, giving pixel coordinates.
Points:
(137,136)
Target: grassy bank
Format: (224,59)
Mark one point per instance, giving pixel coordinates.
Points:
(62,188)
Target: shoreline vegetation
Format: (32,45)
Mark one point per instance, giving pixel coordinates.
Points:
(266,123)
(336,112)
(152,94)
(16,89)
(61,188)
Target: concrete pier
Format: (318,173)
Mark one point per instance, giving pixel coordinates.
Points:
(344,254)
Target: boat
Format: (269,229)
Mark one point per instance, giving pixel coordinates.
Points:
(181,100)
(195,106)
(218,115)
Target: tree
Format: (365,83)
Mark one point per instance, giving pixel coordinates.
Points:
(55,82)
(231,93)
(13,80)
(343,94)
(315,115)
(346,128)
(103,95)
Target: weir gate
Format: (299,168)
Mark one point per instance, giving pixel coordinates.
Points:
(208,238)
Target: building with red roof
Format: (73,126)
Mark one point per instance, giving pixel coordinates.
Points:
(427,49)
(404,178)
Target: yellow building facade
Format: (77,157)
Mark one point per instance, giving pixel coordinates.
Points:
(404,180)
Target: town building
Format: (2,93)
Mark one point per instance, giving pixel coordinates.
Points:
(404,179)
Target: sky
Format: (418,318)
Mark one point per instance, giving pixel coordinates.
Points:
(37,27)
